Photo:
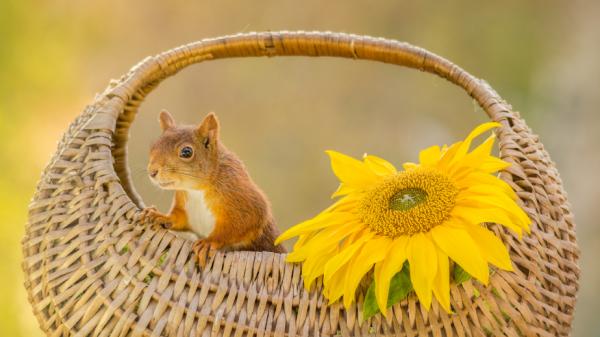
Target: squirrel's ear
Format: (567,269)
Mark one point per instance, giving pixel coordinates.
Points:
(208,130)
(166,120)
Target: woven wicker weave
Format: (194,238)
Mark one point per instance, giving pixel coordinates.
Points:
(92,270)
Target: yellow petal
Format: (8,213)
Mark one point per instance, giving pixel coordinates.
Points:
(343,189)
(323,240)
(429,156)
(490,246)
(486,191)
(334,288)
(345,204)
(386,269)
(459,246)
(350,171)
(478,178)
(441,283)
(320,221)
(464,148)
(460,172)
(448,154)
(353,238)
(489,195)
(302,240)
(444,149)
(477,157)
(493,164)
(409,166)
(372,252)
(506,204)
(422,258)
(342,257)
(379,166)
(477,216)
(314,264)
(484,149)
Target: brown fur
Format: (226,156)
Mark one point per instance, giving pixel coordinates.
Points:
(243,218)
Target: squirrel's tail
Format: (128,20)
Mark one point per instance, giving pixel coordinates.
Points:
(266,241)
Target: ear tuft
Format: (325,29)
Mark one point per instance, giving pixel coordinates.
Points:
(166,120)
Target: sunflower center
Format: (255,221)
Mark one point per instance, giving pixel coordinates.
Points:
(407,199)
(409,202)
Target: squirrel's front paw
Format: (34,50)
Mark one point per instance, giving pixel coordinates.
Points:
(205,250)
(151,216)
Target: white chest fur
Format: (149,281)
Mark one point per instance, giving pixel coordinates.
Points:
(200,218)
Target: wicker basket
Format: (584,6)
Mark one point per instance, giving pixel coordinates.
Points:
(92,270)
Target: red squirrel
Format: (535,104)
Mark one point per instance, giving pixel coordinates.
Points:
(214,194)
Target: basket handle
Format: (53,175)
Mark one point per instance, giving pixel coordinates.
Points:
(145,76)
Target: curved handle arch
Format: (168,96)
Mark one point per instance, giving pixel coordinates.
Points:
(145,76)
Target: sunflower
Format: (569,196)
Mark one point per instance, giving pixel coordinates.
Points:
(427,214)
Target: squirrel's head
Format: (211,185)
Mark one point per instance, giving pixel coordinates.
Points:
(185,156)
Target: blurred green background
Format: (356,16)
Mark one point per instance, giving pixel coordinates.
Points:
(280,114)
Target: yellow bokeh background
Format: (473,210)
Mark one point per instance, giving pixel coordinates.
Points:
(280,114)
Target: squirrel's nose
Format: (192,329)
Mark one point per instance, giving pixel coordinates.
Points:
(153,173)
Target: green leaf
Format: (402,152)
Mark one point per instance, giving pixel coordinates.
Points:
(460,275)
(400,287)
(370,307)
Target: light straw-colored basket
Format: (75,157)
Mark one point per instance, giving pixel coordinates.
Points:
(92,270)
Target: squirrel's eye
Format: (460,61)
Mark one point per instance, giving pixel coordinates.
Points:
(186,152)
